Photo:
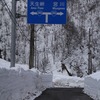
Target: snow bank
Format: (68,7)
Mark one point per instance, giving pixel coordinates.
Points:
(15,85)
(46,80)
(67,81)
(20,83)
(92,85)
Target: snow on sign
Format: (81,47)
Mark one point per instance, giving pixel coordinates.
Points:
(46,12)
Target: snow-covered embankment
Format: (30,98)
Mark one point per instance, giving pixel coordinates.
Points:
(20,83)
(92,85)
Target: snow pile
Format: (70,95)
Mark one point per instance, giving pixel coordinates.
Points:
(62,79)
(67,81)
(20,83)
(46,80)
(15,85)
(92,85)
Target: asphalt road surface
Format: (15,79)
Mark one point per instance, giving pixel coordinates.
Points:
(63,94)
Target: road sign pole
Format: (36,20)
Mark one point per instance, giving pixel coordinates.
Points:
(13,34)
(31,56)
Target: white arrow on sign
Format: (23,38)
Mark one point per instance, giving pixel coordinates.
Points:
(60,13)
(33,13)
(47,14)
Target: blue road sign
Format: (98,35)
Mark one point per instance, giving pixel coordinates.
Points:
(46,12)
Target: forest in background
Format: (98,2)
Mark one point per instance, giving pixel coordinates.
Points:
(77,43)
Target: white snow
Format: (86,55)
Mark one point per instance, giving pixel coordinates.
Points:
(96,76)
(61,79)
(92,85)
(67,81)
(20,83)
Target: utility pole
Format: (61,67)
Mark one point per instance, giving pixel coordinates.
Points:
(13,37)
(13,34)
(89,54)
(31,56)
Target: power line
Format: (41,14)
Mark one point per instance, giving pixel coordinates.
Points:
(7,9)
(11,16)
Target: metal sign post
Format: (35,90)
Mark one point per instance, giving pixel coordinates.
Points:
(13,34)
(46,12)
